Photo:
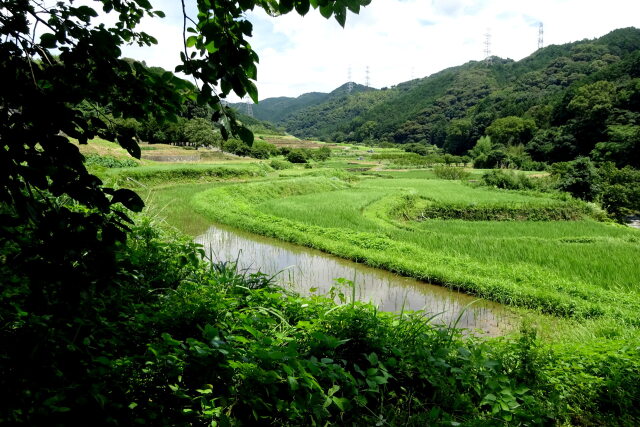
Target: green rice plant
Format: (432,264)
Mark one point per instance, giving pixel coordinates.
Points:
(109,161)
(176,173)
(425,209)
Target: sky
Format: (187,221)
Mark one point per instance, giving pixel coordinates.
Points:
(396,39)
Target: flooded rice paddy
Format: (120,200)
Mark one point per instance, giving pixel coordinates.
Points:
(302,269)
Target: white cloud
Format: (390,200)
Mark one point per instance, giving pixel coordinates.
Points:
(394,37)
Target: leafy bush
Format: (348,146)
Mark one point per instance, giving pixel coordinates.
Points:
(297,155)
(449,172)
(262,150)
(620,190)
(508,180)
(530,165)
(579,178)
(236,146)
(280,164)
(321,154)
(408,159)
(108,161)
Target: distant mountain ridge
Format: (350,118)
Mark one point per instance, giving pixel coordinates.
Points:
(277,110)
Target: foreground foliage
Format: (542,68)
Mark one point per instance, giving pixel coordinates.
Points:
(167,339)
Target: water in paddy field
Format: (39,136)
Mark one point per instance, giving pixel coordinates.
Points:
(303,268)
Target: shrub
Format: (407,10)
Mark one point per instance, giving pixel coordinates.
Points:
(297,155)
(508,180)
(280,164)
(109,161)
(579,178)
(620,190)
(321,154)
(449,172)
(237,147)
(262,150)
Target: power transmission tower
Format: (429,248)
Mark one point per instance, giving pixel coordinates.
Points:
(540,36)
(349,82)
(249,108)
(366,81)
(487,46)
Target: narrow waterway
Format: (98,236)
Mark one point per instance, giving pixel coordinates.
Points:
(303,268)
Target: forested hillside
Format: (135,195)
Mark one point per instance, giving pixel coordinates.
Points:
(561,102)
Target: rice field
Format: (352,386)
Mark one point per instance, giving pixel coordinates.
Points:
(580,269)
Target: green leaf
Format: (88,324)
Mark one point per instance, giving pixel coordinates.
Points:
(224,132)
(353,5)
(127,142)
(191,41)
(326,11)
(245,135)
(302,7)
(48,41)
(340,13)
(340,402)
(211,47)
(293,382)
(333,390)
(253,92)
(129,199)
(373,359)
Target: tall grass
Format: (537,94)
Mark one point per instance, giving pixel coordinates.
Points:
(182,173)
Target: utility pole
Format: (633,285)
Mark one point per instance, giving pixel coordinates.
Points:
(366,81)
(487,46)
(540,36)
(249,108)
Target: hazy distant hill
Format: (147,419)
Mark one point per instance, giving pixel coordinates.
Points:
(277,110)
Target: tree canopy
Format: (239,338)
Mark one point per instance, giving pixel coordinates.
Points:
(59,57)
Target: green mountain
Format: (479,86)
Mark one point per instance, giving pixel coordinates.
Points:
(560,102)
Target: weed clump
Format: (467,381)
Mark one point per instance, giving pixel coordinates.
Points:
(109,161)
(450,172)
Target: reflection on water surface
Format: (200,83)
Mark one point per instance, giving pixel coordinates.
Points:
(302,268)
